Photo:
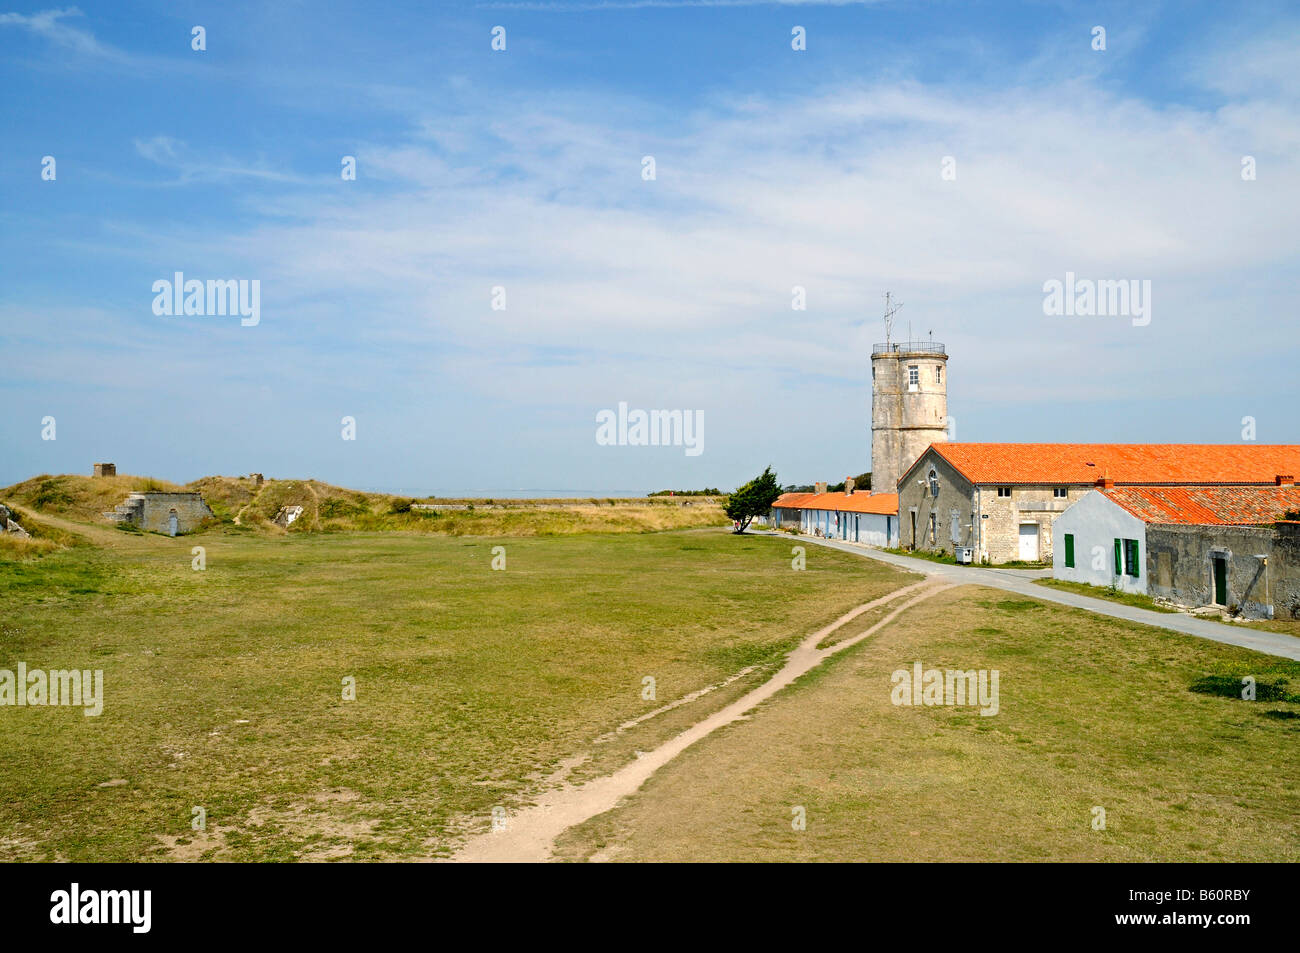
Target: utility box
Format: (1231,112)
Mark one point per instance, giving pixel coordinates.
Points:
(963,554)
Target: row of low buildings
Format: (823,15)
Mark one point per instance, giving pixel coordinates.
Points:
(1194,524)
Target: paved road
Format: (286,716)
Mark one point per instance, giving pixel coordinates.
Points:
(1022,581)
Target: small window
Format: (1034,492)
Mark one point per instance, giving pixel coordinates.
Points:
(913,375)
(934,483)
(1069,550)
(1131,557)
(938,374)
(1004,491)
(1060,492)
(933,531)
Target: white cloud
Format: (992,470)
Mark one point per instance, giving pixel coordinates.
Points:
(50,25)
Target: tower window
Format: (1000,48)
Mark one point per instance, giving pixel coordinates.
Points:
(913,375)
(938,374)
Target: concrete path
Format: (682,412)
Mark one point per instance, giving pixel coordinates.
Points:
(530,834)
(1021,581)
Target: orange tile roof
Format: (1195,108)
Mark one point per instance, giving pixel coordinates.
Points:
(790,500)
(1083,463)
(879,503)
(1207,505)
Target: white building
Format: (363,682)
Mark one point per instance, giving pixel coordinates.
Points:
(1098,542)
(870,518)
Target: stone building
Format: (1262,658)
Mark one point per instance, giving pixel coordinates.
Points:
(1000,500)
(909,406)
(1225,546)
(169,513)
(105,469)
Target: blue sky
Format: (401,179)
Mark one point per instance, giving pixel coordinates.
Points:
(522,169)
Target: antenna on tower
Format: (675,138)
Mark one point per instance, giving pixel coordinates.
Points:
(890,311)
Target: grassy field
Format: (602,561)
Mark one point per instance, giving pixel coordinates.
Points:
(1094,712)
(240,502)
(1135,599)
(223,687)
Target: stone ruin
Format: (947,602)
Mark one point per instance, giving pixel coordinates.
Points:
(10,525)
(105,469)
(169,513)
(287,515)
(257,480)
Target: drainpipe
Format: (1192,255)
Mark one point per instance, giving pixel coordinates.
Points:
(1268,601)
(979,525)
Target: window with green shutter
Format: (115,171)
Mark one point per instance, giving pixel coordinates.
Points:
(1069,550)
(1131,557)
(1119,557)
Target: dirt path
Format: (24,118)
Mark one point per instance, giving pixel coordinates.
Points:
(530,834)
(105,535)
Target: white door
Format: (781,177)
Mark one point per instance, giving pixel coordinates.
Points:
(1029,542)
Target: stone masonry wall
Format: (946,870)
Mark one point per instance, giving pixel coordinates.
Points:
(1180,567)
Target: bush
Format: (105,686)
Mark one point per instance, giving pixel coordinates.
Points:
(335,507)
(400,506)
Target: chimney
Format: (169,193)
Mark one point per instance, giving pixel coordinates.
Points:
(848,486)
(1105,483)
(819,487)
(1284,479)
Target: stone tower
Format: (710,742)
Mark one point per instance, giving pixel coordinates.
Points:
(909,406)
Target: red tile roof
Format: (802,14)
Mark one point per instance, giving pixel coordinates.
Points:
(1152,463)
(879,503)
(789,501)
(1207,505)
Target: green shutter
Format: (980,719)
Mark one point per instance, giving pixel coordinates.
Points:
(1133,545)
(1069,550)
(1119,558)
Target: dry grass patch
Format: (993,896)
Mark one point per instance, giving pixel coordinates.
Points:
(1095,712)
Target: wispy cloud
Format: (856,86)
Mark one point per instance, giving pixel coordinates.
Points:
(52,25)
(192,165)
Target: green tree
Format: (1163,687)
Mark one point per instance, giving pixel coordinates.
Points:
(755,498)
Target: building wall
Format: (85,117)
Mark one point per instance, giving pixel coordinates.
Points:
(1095,522)
(1180,562)
(915,499)
(1026,504)
(903,421)
(986,522)
(783,517)
(152,511)
(873,529)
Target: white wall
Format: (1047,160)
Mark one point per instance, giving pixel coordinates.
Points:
(868,528)
(1096,521)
